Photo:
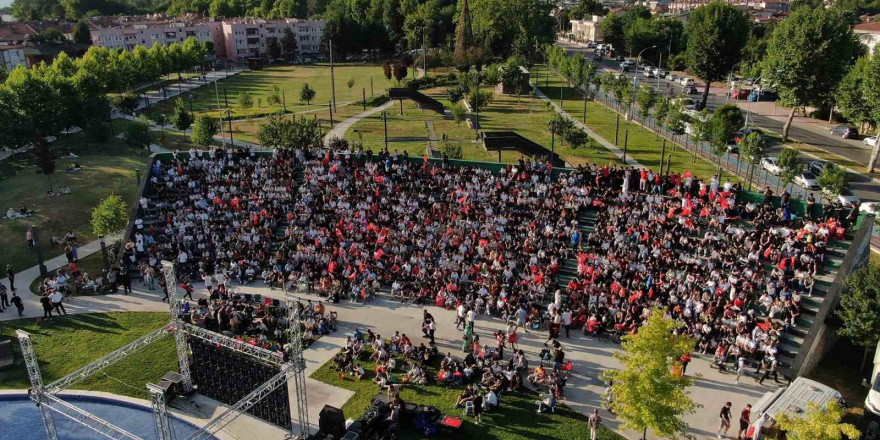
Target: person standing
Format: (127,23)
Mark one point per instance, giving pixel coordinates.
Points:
(111,278)
(56,297)
(432,327)
(566,321)
(459,316)
(11,275)
(771,366)
(47,306)
(4,299)
(478,406)
(740,367)
(16,301)
(594,422)
(744,422)
(725,420)
(125,277)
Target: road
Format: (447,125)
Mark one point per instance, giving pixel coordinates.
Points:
(803,131)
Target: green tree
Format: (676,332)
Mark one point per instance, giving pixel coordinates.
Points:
(459,113)
(588,8)
(752,148)
(350,84)
(478,100)
(576,137)
(647,394)
(646,98)
(789,165)
(675,118)
(137,133)
(512,77)
(851,93)
(726,120)
(245,100)
(872,99)
(278,132)
(204,130)
(452,150)
(44,159)
(860,307)
(818,423)
(275,97)
(307,94)
(110,216)
(181,119)
(807,56)
(81,33)
(273,48)
(662,111)
(832,179)
(288,44)
(716,35)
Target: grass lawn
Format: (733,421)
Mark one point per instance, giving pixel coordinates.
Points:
(525,115)
(246,129)
(290,79)
(516,417)
(111,164)
(65,344)
(642,145)
(93,264)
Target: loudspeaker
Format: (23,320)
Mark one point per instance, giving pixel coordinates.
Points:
(331,420)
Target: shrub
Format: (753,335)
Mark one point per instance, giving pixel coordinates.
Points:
(452,150)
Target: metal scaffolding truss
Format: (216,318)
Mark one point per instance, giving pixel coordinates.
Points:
(244,404)
(160,412)
(174,302)
(86,419)
(106,361)
(299,365)
(46,401)
(268,356)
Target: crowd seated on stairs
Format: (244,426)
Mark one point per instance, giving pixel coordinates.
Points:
(733,273)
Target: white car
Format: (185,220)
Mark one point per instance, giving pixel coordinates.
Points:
(771,164)
(686,81)
(870,141)
(647,73)
(670,76)
(847,200)
(807,180)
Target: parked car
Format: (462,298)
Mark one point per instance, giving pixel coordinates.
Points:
(844,131)
(771,164)
(618,58)
(732,147)
(817,166)
(647,73)
(660,73)
(670,76)
(739,135)
(691,90)
(686,81)
(870,208)
(807,180)
(870,141)
(739,94)
(848,200)
(624,68)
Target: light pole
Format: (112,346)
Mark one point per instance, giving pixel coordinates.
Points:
(219,109)
(636,79)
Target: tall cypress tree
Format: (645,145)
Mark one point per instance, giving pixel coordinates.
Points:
(464,37)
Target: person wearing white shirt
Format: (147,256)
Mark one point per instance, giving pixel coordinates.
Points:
(566,321)
(56,297)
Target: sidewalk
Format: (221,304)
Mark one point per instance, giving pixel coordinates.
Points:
(339,130)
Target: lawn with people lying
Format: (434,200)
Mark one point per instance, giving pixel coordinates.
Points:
(65,344)
(289,79)
(515,418)
(107,168)
(643,144)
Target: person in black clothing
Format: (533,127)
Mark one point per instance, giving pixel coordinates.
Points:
(125,277)
(47,306)
(11,275)
(16,301)
(4,299)
(724,415)
(478,406)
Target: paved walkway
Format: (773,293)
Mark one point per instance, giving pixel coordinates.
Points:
(339,130)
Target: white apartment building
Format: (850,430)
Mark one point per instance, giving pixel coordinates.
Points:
(869,35)
(248,38)
(587,30)
(233,39)
(127,35)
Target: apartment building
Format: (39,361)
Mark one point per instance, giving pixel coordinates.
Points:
(13,56)
(128,33)
(233,39)
(587,29)
(248,38)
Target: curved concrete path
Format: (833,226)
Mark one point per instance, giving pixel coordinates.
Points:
(339,130)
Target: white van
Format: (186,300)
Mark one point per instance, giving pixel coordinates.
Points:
(686,81)
(791,400)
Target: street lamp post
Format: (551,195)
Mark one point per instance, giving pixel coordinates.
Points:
(636,78)
(36,237)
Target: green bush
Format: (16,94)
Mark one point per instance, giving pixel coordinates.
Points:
(377,100)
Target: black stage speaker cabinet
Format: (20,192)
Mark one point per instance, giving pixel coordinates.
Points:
(331,420)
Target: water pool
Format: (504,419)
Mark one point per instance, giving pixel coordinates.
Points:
(20,419)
